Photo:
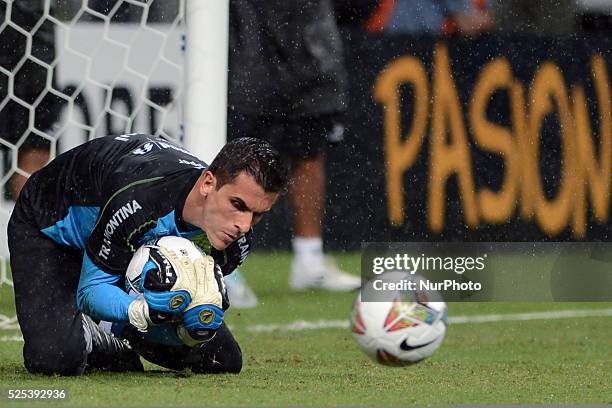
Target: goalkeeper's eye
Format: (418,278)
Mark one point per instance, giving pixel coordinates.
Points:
(242,207)
(239,205)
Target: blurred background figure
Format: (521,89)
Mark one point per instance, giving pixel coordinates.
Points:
(353,13)
(287,84)
(463,17)
(594,16)
(29,99)
(542,17)
(30,78)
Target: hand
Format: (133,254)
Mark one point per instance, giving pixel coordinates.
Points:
(471,24)
(168,281)
(200,324)
(204,315)
(142,317)
(138,313)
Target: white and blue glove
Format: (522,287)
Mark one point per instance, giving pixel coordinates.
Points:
(163,277)
(204,315)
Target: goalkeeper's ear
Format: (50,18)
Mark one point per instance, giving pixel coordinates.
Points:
(208,184)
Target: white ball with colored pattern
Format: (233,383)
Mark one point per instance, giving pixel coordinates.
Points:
(403,331)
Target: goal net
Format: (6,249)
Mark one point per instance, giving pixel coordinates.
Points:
(74,70)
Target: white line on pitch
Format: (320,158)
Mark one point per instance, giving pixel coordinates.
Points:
(300,325)
(11,338)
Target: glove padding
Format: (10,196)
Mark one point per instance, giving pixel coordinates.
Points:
(200,325)
(168,284)
(142,316)
(169,280)
(138,313)
(204,315)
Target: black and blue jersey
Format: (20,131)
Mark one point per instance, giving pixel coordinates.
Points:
(109,196)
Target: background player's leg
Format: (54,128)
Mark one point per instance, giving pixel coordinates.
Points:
(306,194)
(29,160)
(220,355)
(306,146)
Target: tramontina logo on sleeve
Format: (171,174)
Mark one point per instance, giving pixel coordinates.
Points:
(114,222)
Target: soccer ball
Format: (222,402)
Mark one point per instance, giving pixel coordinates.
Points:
(403,331)
(177,322)
(149,256)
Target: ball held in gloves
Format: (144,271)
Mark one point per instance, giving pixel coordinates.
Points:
(179,284)
(163,271)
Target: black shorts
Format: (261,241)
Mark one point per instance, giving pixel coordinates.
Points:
(302,138)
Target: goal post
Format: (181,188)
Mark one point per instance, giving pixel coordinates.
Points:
(206,76)
(81,69)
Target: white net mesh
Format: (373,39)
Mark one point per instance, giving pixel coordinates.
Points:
(73,70)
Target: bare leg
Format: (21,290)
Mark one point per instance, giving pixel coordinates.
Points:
(29,161)
(310,269)
(307,196)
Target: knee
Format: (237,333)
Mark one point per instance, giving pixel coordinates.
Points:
(59,359)
(233,363)
(232,357)
(227,359)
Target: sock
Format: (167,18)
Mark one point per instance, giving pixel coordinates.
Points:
(308,249)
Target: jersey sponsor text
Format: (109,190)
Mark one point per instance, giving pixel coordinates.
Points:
(117,219)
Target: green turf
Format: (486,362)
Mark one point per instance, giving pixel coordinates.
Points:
(563,361)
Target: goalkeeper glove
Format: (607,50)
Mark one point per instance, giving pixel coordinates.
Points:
(204,315)
(168,284)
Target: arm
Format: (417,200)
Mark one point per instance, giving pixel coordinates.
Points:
(100,296)
(108,252)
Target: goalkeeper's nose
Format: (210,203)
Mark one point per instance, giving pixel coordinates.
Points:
(243,223)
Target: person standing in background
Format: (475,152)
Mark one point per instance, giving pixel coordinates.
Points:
(32,143)
(463,17)
(543,17)
(288,84)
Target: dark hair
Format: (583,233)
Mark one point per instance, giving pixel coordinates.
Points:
(253,156)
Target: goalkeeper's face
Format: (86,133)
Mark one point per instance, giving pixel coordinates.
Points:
(229,212)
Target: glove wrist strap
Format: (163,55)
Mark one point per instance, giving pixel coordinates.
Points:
(138,313)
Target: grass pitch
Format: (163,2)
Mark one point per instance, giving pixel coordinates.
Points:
(556,361)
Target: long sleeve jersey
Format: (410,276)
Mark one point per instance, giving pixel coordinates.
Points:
(108,197)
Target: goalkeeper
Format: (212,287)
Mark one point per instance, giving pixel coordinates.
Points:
(78,222)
